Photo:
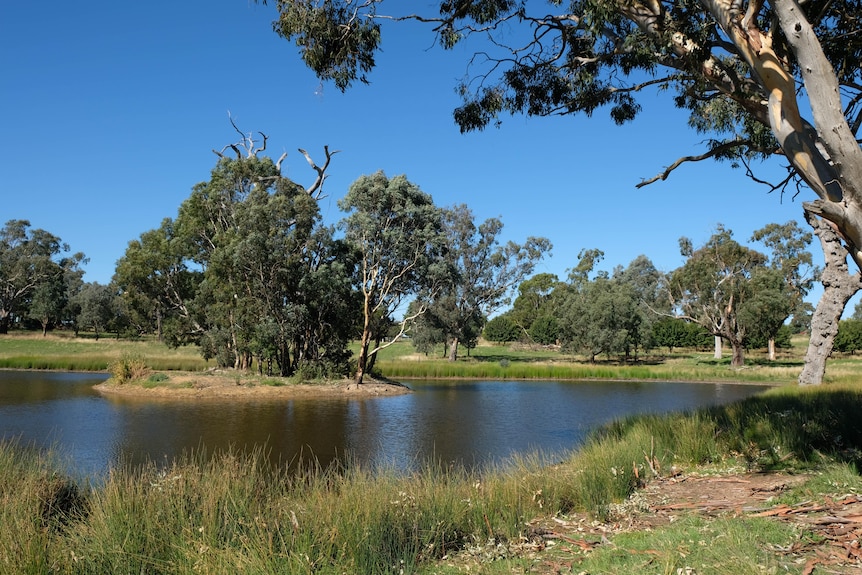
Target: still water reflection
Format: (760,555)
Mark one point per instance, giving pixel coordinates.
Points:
(469,423)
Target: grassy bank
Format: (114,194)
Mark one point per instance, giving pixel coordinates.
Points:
(235,514)
(63,351)
(400,361)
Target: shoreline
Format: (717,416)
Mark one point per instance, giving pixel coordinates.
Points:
(203,386)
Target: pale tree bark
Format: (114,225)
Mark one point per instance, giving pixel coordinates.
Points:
(838,287)
(826,155)
(717,347)
(453,349)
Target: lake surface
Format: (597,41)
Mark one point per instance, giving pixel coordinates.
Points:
(466,423)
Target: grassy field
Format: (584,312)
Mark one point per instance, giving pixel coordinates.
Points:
(62,351)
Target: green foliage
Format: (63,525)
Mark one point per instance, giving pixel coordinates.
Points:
(758,340)
(849,337)
(36,279)
(534,298)
(245,270)
(599,317)
(97,307)
(715,284)
(545,330)
(336,44)
(394,227)
(478,275)
(768,307)
(671,332)
(500,329)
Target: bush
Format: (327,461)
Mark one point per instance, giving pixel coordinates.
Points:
(129,367)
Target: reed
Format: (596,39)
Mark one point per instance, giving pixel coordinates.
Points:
(675,370)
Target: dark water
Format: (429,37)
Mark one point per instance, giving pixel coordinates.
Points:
(468,423)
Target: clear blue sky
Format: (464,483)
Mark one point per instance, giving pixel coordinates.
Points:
(110,111)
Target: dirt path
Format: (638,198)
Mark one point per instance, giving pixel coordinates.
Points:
(834,523)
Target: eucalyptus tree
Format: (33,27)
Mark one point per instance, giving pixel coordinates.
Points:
(255,235)
(534,296)
(158,285)
(599,314)
(246,270)
(501,329)
(30,258)
(839,285)
(97,308)
(748,72)
(790,257)
(768,307)
(712,285)
(763,79)
(647,283)
(395,229)
(481,274)
(48,302)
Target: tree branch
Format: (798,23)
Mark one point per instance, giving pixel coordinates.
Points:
(705,156)
(315,190)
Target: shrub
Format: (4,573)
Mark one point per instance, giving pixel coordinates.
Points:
(129,367)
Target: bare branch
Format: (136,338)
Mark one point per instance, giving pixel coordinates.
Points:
(403,328)
(705,156)
(280,160)
(315,190)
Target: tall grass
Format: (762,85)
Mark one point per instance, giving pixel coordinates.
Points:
(669,371)
(235,513)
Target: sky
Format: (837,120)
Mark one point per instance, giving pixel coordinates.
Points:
(111,110)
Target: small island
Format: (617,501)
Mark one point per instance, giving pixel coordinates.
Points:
(217,384)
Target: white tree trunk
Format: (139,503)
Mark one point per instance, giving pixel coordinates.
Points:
(717,354)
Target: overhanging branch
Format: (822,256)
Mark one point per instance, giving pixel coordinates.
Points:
(705,156)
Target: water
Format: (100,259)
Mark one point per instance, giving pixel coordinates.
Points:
(465,423)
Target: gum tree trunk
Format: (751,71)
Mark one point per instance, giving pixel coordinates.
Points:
(838,287)
(453,349)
